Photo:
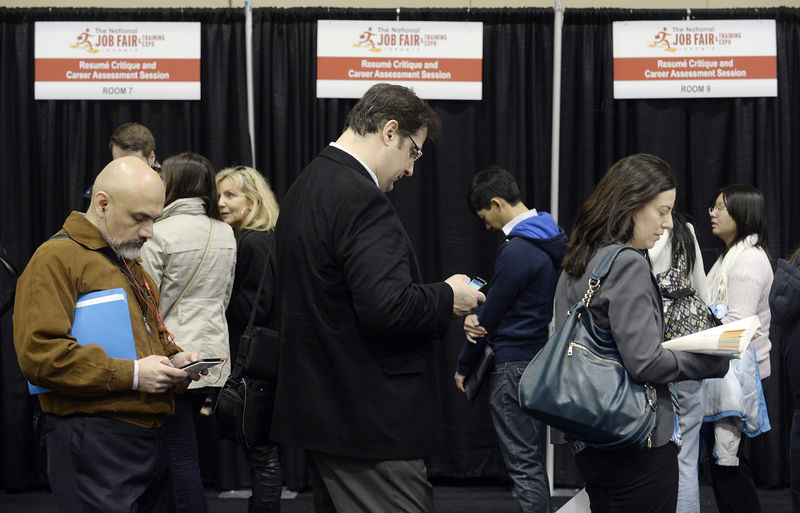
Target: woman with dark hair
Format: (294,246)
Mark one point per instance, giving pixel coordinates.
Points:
(678,268)
(191,257)
(631,206)
(739,284)
(784,305)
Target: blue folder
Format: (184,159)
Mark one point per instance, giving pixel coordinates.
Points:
(102,318)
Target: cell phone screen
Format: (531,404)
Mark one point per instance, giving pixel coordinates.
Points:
(477,283)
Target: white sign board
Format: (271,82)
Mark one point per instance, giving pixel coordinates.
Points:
(117,60)
(438,60)
(695,59)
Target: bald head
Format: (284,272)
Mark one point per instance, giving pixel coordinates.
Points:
(127,196)
(127,176)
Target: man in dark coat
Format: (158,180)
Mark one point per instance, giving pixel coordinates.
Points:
(357,386)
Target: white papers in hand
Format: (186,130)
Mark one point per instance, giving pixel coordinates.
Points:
(729,339)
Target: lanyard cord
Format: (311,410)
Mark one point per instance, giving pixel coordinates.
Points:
(151,302)
(116,258)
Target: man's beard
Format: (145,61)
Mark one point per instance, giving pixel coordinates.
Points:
(128,249)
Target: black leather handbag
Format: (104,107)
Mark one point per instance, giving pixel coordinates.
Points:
(578,384)
(244,410)
(244,406)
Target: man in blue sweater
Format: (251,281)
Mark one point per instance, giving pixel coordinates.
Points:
(514,321)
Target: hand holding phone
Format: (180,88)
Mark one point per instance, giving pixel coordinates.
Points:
(465,295)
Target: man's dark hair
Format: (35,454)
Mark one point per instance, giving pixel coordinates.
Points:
(133,137)
(384,102)
(746,206)
(189,175)
(494,181)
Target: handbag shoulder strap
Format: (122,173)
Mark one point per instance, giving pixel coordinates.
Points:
(238,364)
(258,295)
(196,271)
(600,270)
(604,265)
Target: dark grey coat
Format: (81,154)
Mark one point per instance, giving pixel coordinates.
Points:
(629,304)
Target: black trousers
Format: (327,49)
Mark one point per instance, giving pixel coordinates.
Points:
(734,487)
(188,495)
(625,481)
(98,464)
(265,475)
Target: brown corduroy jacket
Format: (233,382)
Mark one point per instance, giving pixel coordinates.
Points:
(82,378)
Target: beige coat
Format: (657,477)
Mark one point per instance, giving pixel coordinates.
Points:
(171,258)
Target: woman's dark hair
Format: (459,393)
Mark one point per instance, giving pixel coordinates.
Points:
(384,102)
(492,182)
(746,207)
(189,175)
(607,216)
(682,239)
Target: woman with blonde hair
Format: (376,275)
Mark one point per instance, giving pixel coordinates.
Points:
(248,205)
(259,208)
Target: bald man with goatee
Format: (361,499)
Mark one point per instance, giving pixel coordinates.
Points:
(113,406)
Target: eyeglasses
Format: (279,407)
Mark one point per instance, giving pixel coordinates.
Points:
(417,152)
(716,210)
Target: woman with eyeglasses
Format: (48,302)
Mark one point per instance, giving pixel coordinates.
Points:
(739,285)
(247,204)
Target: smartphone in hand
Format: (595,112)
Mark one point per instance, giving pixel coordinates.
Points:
(477,283)
(202,364)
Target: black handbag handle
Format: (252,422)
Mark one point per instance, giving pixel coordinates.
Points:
(601,269)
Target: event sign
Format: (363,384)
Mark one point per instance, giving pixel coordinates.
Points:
(695,59)
(438,60)
(88,60)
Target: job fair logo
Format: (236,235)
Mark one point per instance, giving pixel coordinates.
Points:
(677,38)
(114,38)
(396,38)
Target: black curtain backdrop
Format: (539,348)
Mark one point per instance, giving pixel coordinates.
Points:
(709,143)
(53,149)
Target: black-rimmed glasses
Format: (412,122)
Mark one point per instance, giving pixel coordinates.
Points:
(417,152)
